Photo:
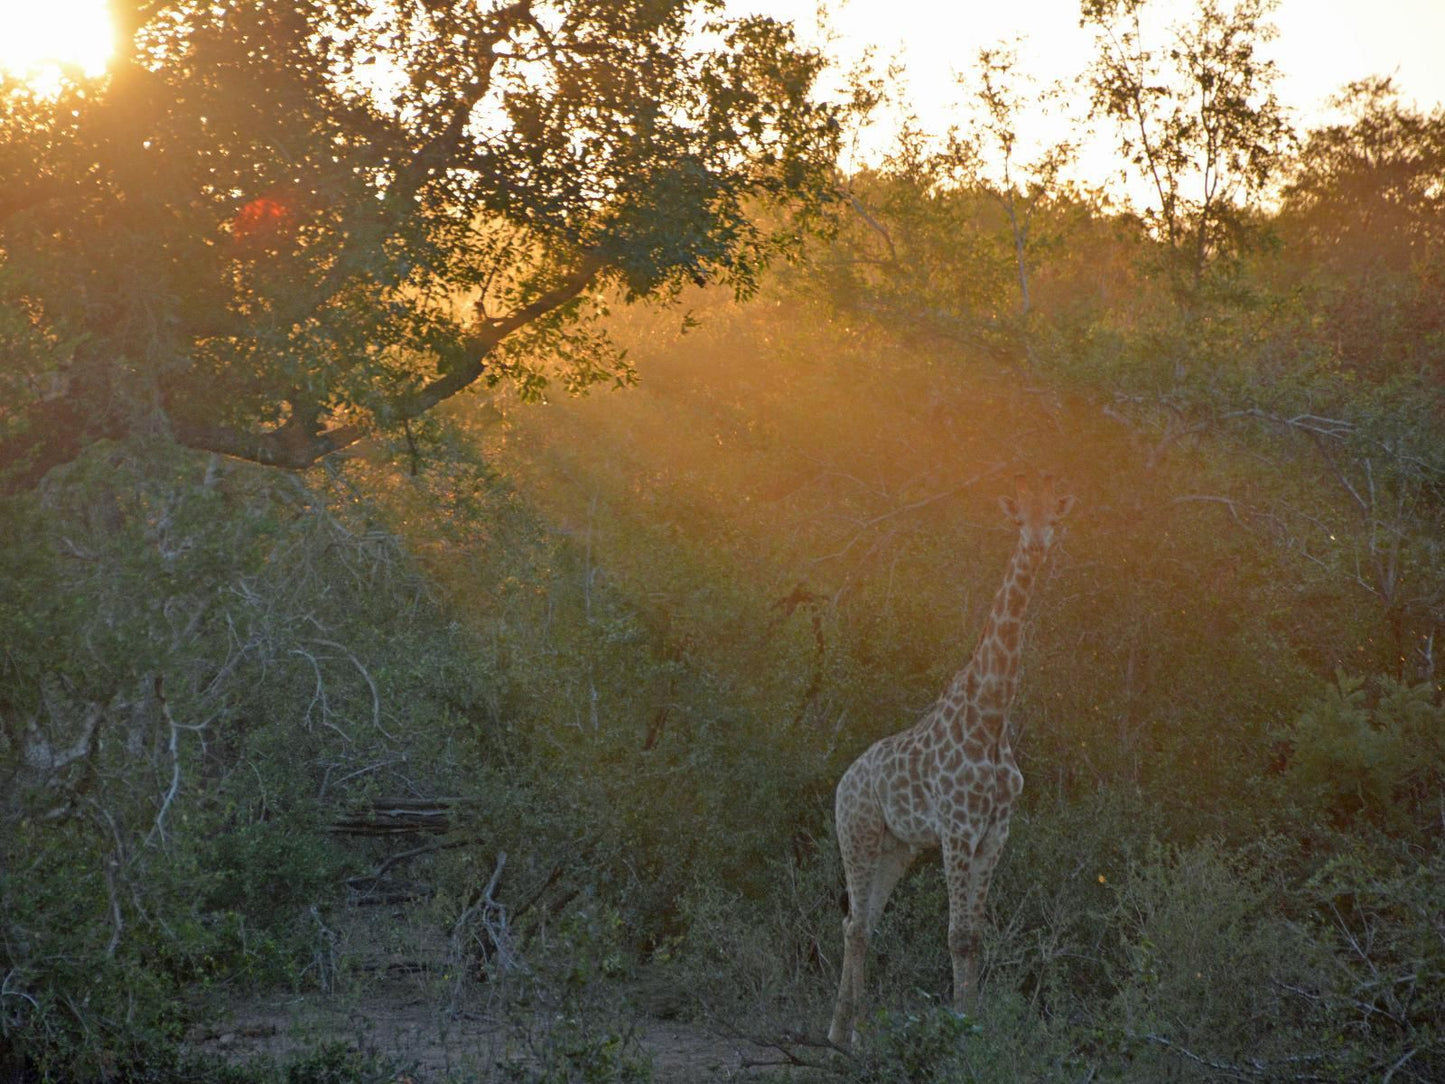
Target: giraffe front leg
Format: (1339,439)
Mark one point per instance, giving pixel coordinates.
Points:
(968,865)
(965,921)
(858,844)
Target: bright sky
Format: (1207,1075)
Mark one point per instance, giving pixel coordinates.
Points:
(1322,43)
(36,33)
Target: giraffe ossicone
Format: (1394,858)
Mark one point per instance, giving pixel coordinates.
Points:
(949,781)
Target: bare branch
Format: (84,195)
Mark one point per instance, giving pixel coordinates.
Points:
(1256,1070)
(39,755)
(786,1045)
(370,684)
(1333,428)
(1228,502)
(492,916)
(174,745)
(876,226)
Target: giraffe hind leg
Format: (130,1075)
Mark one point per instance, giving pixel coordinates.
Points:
(872,871)
(860,830)
(894,858)
(857,871)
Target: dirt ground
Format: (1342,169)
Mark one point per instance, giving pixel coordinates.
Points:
(429,1045)
(400,1004)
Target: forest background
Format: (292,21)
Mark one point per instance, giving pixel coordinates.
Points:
(301,536)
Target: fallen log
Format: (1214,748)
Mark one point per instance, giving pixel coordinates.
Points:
(398,816)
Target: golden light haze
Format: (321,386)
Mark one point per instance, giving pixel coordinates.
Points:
(1321,46)
(37,36)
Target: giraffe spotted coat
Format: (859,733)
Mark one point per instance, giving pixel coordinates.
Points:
(950,781)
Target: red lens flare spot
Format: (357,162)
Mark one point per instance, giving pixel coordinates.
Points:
(260,220)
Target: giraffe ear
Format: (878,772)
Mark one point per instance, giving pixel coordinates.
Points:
(1064,506)
(1010,508)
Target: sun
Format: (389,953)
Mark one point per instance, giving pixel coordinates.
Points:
(38,37)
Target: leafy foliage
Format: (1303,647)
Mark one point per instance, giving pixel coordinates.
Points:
(919,1048)
(184,693)
(1202,128)
(271,233)
(1378,912)
(571,1053)
(1380,762)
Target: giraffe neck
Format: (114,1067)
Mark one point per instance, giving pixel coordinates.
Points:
(982,691)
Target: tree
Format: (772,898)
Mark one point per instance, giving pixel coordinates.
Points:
(1021,189)
(1366,197)
(1201,125)
(273,230)
(1362,258)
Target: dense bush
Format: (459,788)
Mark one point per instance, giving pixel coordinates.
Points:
(203,662)
(1377,760)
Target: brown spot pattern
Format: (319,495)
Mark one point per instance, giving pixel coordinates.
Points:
(950,780)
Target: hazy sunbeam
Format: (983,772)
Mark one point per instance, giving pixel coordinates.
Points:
(38,38)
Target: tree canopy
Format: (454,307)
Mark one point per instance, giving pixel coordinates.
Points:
(272,230)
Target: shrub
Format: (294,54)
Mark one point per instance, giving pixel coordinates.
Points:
(571,1050)
(1376,909)
(1376,759)
(1208,962)
(199,659)
(924,1046)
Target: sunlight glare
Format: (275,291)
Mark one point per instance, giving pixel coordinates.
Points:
(38,37)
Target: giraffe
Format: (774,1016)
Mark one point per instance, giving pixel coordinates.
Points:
(949,781)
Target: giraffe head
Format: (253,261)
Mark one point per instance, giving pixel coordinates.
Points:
(1035,512)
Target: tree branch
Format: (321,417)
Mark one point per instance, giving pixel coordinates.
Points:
(877,228)
(299,443)
(425,162)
